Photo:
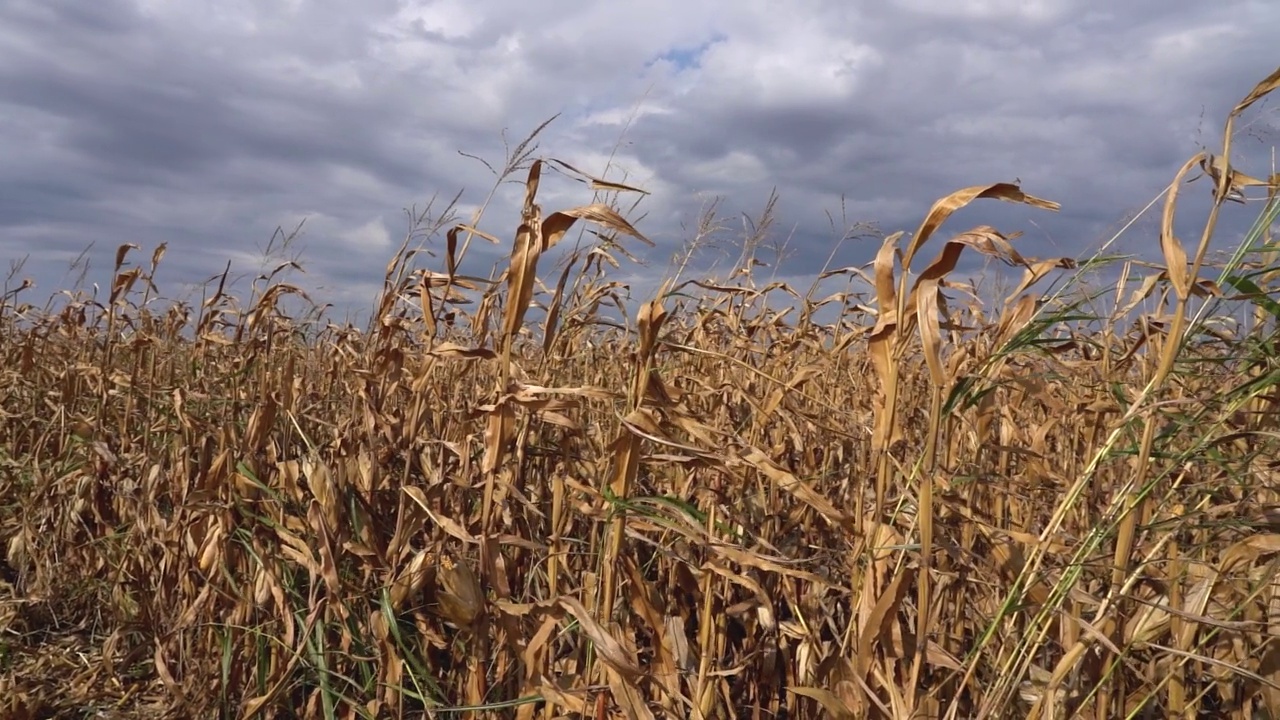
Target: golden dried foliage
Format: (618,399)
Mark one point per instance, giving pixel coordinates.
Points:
(550,506)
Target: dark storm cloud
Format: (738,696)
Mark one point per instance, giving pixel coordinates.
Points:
(210,126)
(78,19)
(1096,112)
(30,201)
(143,135)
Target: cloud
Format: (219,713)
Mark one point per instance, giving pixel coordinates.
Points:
(211,125)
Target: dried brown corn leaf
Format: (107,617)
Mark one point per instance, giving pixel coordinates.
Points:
(927,299)
(1175,256)
(614,654)
(558,223)
(945,207)
(827,699)
(449,525)
(1248,551)
(875,622)
(410,580)
(596,183)
(561,697)
(626,695)
(796,487)
(453,350)
(763,603)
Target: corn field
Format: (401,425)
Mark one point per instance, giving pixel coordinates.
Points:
(524,496)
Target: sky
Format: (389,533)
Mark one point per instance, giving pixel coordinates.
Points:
(208,126)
